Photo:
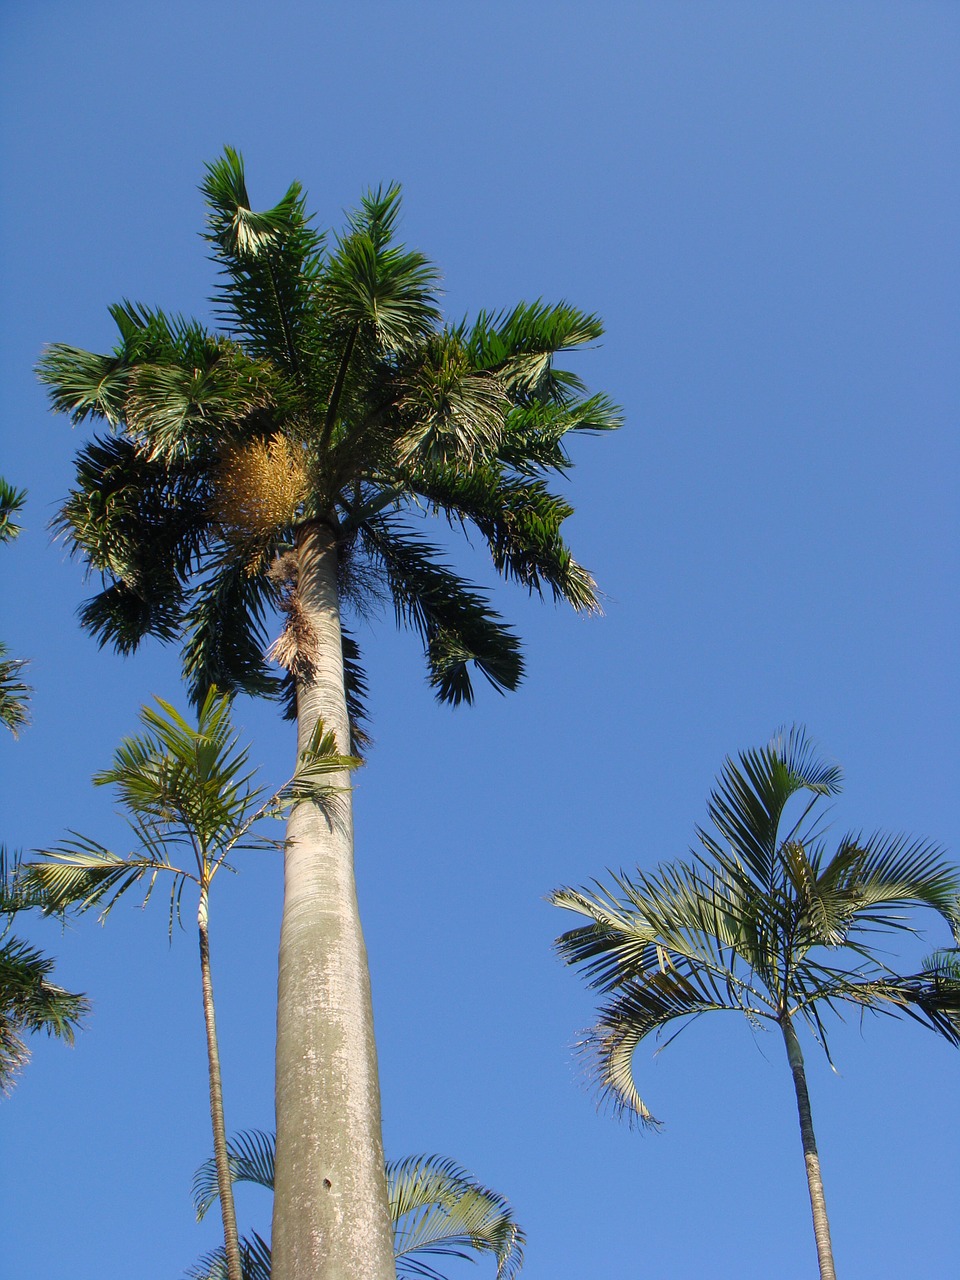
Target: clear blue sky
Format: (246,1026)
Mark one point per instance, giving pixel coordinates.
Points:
(761,199)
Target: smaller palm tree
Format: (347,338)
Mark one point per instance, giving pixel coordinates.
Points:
(13,692)
(192,802)
(762,922)
(29,999)
(437,1210)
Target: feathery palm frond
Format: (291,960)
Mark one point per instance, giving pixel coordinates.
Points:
(29,1000)
(440,1210)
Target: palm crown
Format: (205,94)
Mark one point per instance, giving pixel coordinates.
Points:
(337,397)
(762,922)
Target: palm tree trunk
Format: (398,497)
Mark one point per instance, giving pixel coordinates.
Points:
(228,1213)
(818,1206)
(331,1219)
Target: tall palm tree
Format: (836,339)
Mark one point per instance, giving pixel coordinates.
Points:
(437,1210)
(191,801)
(29,999)
(286,464)
(764,923)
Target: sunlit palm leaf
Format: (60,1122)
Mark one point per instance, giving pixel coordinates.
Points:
(251,1155)
(439,1209)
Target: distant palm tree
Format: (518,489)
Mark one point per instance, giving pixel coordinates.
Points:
(13,692)
(437,1210)
(288,465)
(192,803)
(764,923)
(29,999)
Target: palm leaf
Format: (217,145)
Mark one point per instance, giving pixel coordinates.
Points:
(30,1001)
(440,1210)
(80,873)
(11,502)
(251,1156)
(520,520)
(640,1008)
(254,1261)
(454,620)
(14,693)
(749,800)
(227,636)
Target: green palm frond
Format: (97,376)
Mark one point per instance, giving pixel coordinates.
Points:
(319,759)
(521,522)
(29,1002)
(195,783)
(14,693)
(254,1261)
(749,800)
(440,1210)
(456,413)
(369,284)
(639,1009)
(454,620)
(520,345)
(227,633)
(79,874)
(251,1155)
(269,263)
(142,525)
(184,412)
(11,502)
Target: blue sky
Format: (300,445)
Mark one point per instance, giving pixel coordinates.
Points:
(761,200)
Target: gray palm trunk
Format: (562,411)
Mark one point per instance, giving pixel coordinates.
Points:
(818,1205)
(231,1241)
(331,1219)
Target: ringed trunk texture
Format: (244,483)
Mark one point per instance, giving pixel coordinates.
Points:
(818,1206)
(331,1218)
(228,1213)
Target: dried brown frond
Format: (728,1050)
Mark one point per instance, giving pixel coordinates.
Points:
(295,649)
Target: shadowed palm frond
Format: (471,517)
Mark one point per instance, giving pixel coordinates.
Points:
(454,620)
(11,503)
(29,1000)
(254,1261)
(227,634)
(14,693)
(520,520)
